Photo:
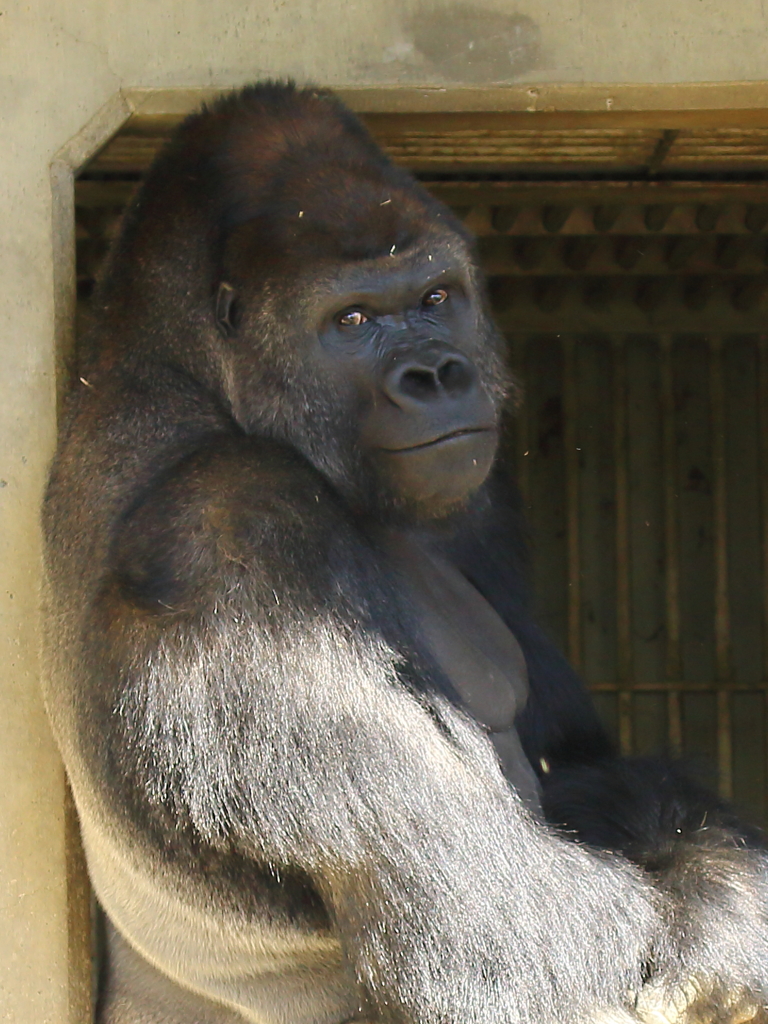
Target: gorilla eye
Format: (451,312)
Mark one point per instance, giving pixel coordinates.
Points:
(435,297)
(353,318)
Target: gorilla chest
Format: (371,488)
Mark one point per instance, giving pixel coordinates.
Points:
(475,650)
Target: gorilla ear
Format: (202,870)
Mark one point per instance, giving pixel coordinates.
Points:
(226,309)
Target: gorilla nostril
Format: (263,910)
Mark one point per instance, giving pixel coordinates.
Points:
(419,383)
(455,376)
(434,377)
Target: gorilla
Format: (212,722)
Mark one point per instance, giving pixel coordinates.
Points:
(327,767)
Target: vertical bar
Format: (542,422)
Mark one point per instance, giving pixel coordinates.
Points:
(671,530)
(674,723)
(625,720)
(520,349)
(720,529)
(570,438)
(623,599)
(671,546)
(720,514)
(724,744)
(763,428)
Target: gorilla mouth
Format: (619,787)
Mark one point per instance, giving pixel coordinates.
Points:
(442,439)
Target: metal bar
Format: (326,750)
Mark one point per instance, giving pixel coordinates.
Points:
(763,450)
(724,744)
(675,723)
(625,721)
(674,669)
(671,530)
(570,438)
(523,420)
(672,547)
(722,604)
(623,599)
(763,442)
(720,514)
(620,455)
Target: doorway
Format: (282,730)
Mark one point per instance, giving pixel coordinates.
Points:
(628,269)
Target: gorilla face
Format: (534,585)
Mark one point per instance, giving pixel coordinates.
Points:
(391,356)
(321,296)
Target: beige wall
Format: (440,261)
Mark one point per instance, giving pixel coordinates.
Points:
(60,61)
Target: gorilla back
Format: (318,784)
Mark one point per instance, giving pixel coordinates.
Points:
(288,710)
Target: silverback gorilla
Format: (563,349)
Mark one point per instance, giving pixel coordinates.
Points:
(313,733)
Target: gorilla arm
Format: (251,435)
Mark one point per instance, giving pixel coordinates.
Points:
(711,867)
(261,705)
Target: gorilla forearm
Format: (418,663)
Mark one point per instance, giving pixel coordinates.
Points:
(279,722)
(711,865)
(640,807)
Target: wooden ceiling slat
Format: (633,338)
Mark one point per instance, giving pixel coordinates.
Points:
(719,149)
(506,142)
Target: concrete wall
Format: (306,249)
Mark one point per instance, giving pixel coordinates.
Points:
(60,61)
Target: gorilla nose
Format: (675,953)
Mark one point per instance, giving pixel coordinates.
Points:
(448,375)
